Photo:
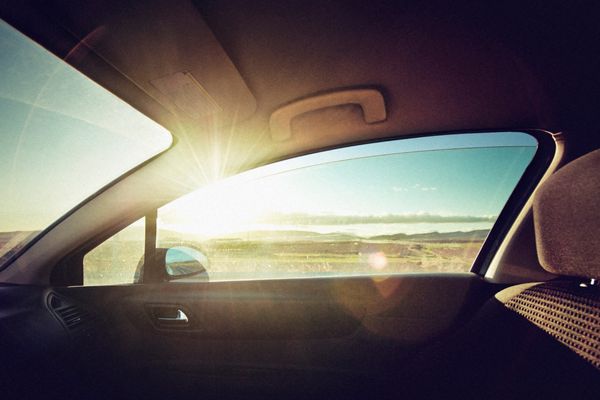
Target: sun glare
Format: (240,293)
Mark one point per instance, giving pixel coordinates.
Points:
(239,208)
(326,193)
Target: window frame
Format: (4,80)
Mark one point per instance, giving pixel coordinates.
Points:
(110,181)
(70,270)
(522,192)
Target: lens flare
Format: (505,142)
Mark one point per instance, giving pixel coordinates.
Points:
(378,261)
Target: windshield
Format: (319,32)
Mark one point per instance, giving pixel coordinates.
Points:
(62,138)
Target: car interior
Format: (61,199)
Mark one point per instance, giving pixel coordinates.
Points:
(487,110)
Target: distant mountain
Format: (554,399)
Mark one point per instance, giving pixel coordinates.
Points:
(288,235)
(292,235)
(479,234)
(332,219)
(136,233)
(17,236)
(13,242)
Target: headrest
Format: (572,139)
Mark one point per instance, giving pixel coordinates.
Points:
(566,213)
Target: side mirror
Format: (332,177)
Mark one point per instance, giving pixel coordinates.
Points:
(183,262)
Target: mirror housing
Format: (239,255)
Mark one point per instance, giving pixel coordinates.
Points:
(171,264)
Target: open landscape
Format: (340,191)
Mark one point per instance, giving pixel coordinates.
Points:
(268,254)
(12,242)
(281,254)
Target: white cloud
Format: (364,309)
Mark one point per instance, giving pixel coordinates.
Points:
(416,186)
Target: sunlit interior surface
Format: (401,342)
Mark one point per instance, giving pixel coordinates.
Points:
(62,137)
(403,206)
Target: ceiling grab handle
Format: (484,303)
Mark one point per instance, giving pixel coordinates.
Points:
(370,100)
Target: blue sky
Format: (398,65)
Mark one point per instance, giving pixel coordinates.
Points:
(473,181)
(62,137)
(453,175)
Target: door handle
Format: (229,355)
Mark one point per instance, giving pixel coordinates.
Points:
(167,315)
(180,317)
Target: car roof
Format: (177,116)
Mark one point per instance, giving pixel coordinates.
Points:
(440,66)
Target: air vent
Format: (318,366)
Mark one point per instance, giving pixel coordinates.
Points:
(73,317)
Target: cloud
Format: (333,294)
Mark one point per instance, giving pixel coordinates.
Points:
(331,219)
(417,186)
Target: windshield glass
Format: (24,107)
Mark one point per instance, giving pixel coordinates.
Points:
(62,137)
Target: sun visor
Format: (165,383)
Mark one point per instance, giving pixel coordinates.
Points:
(166,49)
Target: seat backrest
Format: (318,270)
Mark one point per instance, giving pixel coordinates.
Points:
(535,340)
(567,311)
(567,229)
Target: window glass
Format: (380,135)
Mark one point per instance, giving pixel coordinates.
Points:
(117,260)
(411,205)
(62,138)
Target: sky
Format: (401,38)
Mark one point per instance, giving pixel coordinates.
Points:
(460,179)
(62,136)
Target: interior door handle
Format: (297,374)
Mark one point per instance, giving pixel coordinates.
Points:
(167,315)
(180,317)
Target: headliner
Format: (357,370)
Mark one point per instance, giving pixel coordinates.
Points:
(440,66)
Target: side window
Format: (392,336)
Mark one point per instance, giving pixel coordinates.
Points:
(115,261)
(403,206)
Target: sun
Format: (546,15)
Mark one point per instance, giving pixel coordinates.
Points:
(212,211)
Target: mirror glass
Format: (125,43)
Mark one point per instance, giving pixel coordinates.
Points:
(185,261)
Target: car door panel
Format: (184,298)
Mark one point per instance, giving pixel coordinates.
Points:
(322,331)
